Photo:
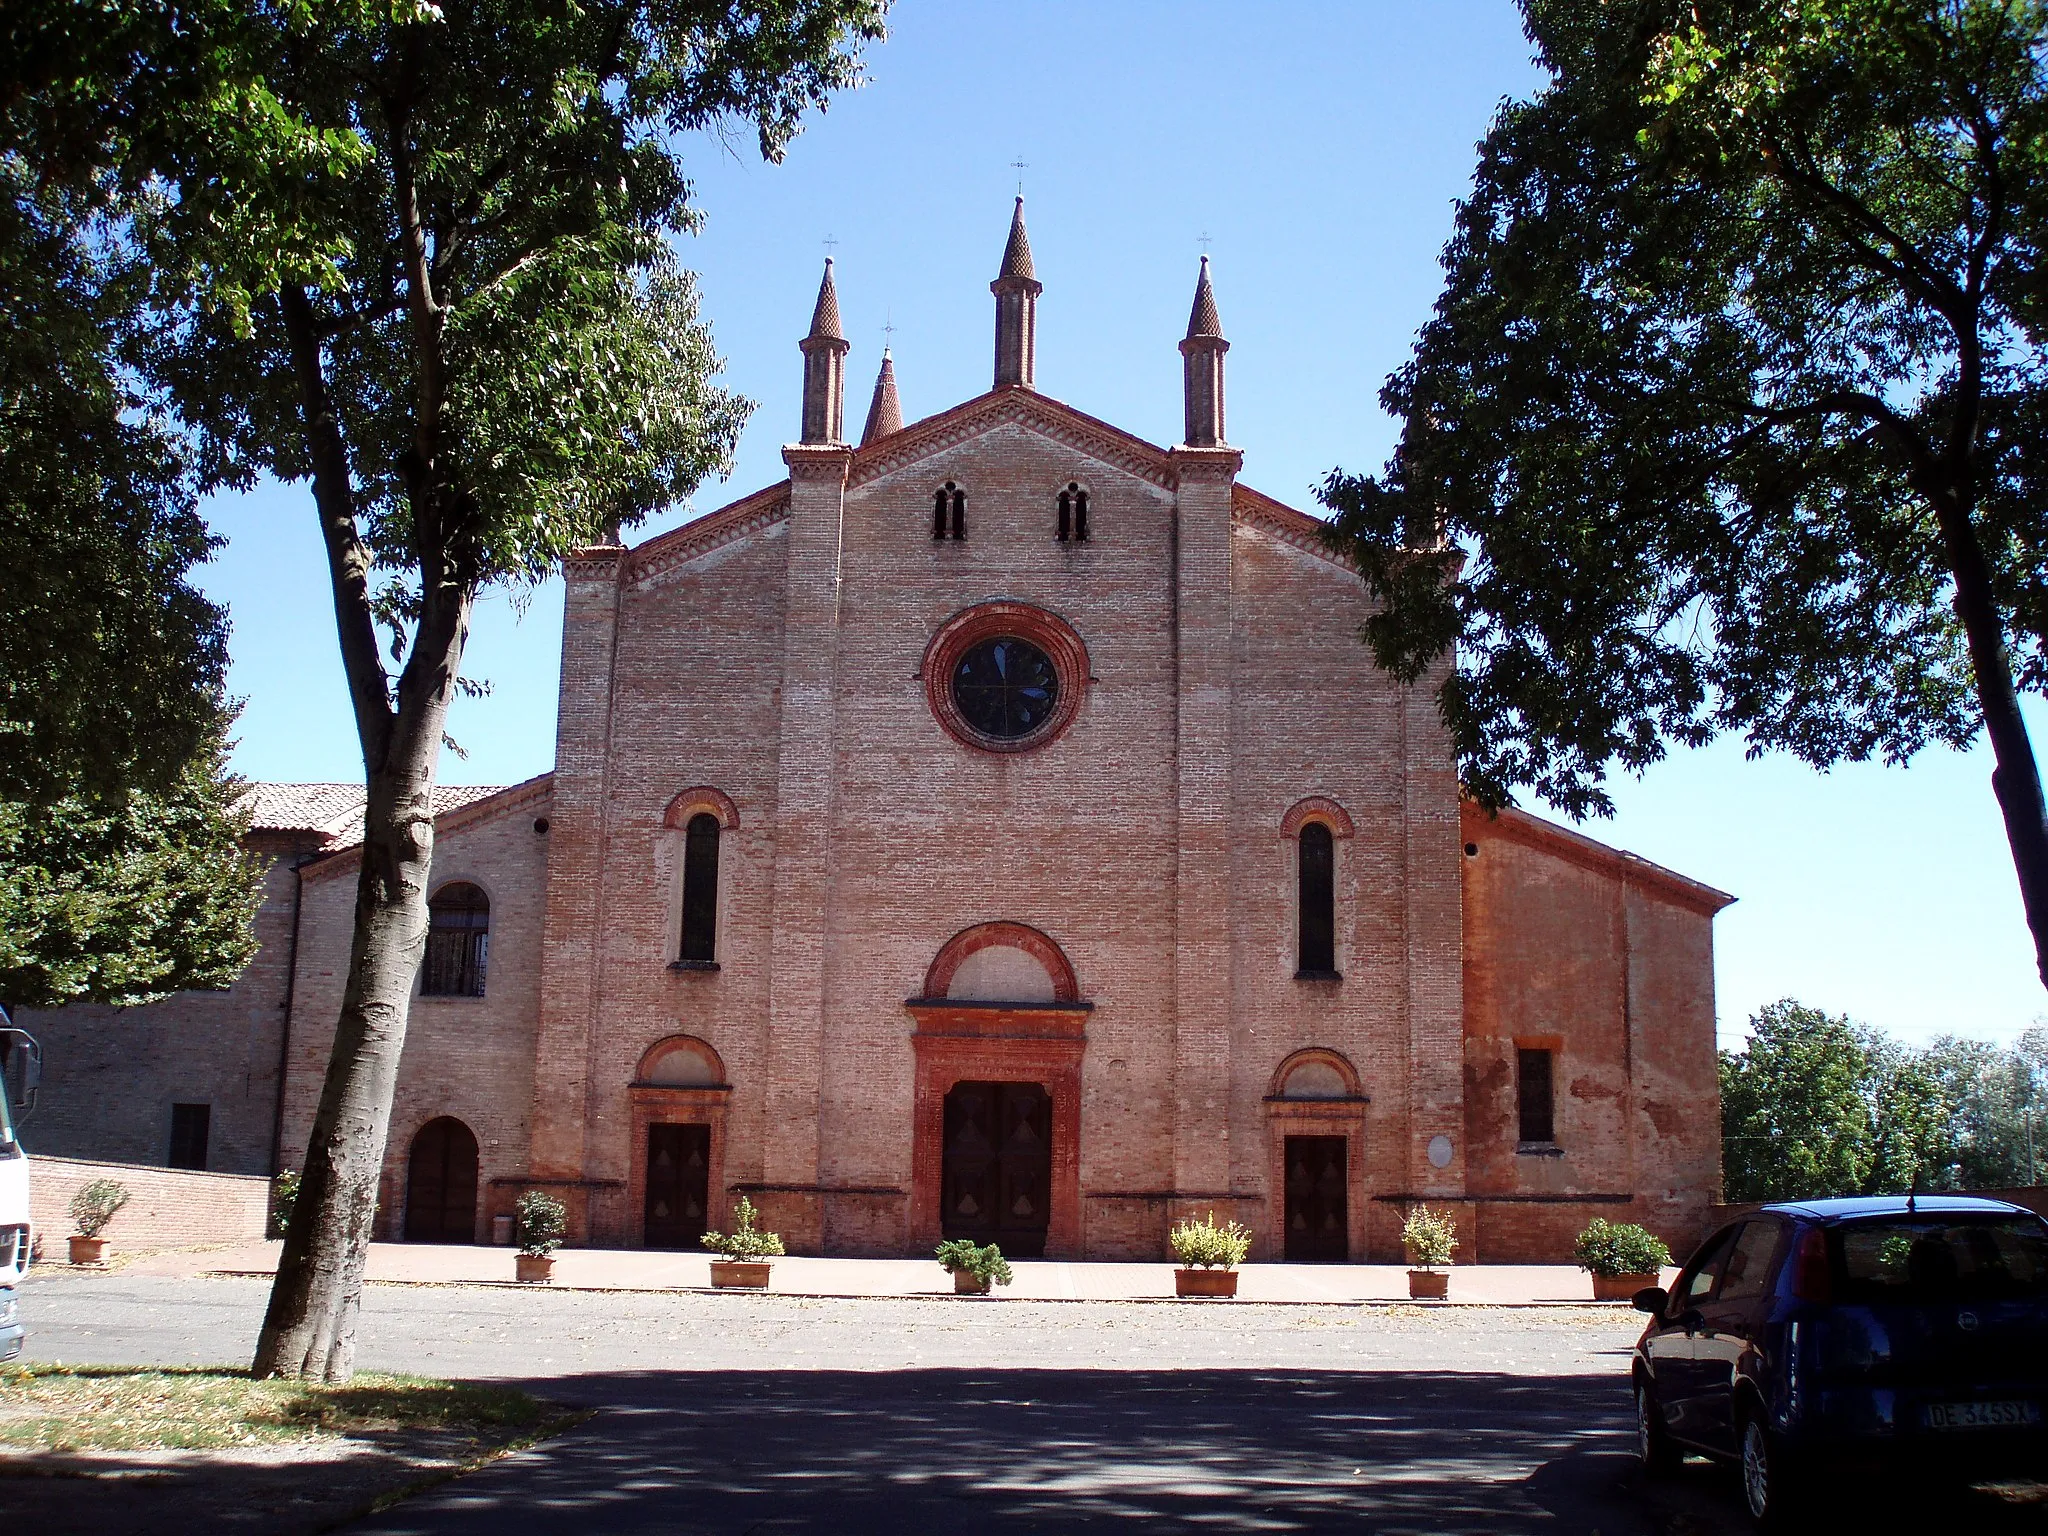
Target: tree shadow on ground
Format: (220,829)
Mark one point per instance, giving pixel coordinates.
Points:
(999,1450)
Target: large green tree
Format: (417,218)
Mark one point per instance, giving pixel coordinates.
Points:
(421,258)
(1732,414)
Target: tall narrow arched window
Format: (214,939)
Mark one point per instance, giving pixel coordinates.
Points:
(1066,515)
(941,503)
(949,512)
(959,510)
(700,891)
(1317,916)
(458,942)
(1080,514)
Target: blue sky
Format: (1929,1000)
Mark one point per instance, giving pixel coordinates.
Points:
(1320,148)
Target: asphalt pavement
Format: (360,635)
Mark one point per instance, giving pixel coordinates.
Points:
(749,1415)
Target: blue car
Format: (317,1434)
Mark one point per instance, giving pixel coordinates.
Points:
(1910,1332)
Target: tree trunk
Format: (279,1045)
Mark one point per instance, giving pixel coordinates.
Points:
(310,1327)
(2016,780)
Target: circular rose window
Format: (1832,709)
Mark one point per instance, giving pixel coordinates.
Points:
(1005,687)
(1005,677)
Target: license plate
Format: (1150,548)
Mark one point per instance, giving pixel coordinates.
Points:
(1981,1415)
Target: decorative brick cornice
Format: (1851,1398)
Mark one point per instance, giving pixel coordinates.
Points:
(1211,464)
(817,461)
(1012,406)
(598,562)
(1277,520)
(750,514)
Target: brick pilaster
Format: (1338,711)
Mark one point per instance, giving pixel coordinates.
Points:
(574,916)
(805,778)
(1204,784)
(1435,942)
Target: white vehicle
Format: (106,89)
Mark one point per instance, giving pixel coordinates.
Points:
(22,1060)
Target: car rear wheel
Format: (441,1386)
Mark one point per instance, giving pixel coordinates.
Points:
(1770,1482)
(1653,1440)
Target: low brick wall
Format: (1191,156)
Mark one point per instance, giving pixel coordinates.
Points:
(167,1207)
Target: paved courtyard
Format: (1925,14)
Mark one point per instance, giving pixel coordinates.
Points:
(734,1414)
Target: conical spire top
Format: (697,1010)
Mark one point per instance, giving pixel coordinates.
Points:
(1017,254)
(885,415)
(1203,320)
(825,318)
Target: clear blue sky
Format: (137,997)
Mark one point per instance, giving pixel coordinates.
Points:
(1321,148)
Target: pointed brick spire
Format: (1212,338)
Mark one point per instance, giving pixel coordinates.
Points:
(885,415)
(824,367)
(1016,291)
(825,318)
(1017,254)
(1203,351)
(1203,320)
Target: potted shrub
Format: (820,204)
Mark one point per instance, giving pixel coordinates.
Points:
(1209,1256)
(1429,1238)
(1622,1258)
(543,1221)
(747,1251)
(973,1268)
(91,1209)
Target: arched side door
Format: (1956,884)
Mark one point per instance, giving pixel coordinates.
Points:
(440,1184)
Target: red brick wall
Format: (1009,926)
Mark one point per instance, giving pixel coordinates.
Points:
(472,1058)
(167,1207)
(1609,963)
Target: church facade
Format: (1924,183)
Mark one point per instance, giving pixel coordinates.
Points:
(998,829)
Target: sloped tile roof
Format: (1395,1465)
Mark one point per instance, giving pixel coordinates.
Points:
(335,811)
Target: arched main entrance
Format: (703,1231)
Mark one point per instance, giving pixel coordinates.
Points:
(440,1184)
(995,1141)
(996,1182)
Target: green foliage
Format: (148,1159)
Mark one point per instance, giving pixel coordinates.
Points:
(126,900)
(543,1223)
(1204,1245)
(1429,1237)
(744,1241)
(97,1204)
(961,1255)
(1731,415)
(1619,1248)
(284,1189)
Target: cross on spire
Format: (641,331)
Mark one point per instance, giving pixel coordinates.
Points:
(1205,240)
(1020,165)
(831,243)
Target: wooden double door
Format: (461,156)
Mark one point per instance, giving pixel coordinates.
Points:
(678,1185)
(996,1179)
(1318,1230)
(440,1184)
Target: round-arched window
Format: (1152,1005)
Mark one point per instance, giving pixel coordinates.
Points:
(1005,687)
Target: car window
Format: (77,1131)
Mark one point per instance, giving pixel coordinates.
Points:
(1937,1258)
(1748,1270)
(1700,1275)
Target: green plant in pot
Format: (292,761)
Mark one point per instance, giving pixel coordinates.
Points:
(1429,1238)
(1622,1257)
(543,1223)
(1209,1255)
(91,1209)
(973,1268)
(746,1249)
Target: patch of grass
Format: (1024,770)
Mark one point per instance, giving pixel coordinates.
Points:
(127,1408)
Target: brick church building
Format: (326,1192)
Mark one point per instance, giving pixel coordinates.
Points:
(994,829)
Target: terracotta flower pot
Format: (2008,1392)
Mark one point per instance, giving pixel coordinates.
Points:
(88,1250)
(538,1268)
(739,1274)
(1428,1284)
(1620,1287)
(1205,1282)
(965,1284)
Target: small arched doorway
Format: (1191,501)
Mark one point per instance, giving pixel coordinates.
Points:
(440,1184)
